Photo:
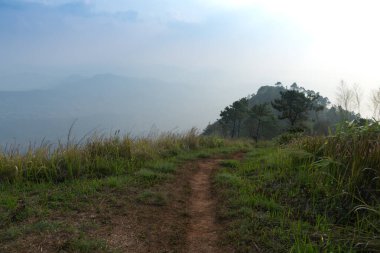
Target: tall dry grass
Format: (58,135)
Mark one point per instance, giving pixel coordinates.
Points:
(355,150)
(96,156)
(347,168)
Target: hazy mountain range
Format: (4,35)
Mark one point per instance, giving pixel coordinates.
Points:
(103,102)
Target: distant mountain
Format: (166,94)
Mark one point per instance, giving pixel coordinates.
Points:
(26,81)
(104,102)
(266,94)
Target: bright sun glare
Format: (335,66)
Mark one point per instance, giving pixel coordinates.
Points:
(344,34)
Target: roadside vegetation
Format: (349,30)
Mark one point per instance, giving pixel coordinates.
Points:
(96,157)
(62,195)
(313,194)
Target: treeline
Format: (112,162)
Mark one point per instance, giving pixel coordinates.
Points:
(277,109)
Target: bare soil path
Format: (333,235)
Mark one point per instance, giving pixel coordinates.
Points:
(186,222)
(202,235)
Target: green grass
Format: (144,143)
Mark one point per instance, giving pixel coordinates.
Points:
(230,164)
(41,203)
(42,189)
(98,156)
(85,245)
(163,167)
(152,198)
(354,156)
(13,232)
(147,176)
(286,200)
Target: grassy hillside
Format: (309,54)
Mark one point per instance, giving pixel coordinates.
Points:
(293,194)
(67,195)
(317,194)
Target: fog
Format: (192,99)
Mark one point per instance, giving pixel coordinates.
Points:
(132,65)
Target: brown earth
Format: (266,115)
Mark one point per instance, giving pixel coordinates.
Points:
(185,223)
(204,230)
(202,233)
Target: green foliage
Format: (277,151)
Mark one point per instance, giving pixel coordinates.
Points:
(162,167)
(356,150)
(152,198)
(259,116)
(13,232)
(31,207)
(149,177)
(85,245)
(287,138)
(97,157)
(230,163)
(317,118)
(292,200)
(234,114)
(294,105)
(10,234)
(227,179)
(203,155)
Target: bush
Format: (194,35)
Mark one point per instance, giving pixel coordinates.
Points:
(287,138)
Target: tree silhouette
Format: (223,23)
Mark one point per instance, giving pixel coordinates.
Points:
(234,114)
(375,103)
(346,99)
(260,114)
(294,105)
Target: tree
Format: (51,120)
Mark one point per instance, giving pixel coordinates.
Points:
(241,108)
(278,84)
(358,94)
(319,103)
(259,114)
(294,86)
(209,129)
(345,98)
(226,116)
(375,103)
(294,105)
(234,114)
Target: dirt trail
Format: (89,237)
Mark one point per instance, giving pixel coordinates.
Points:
(203,230)
(186,222)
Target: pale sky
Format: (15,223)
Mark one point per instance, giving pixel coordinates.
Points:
(240,44)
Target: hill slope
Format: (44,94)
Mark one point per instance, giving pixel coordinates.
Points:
(317,122)
(104,102)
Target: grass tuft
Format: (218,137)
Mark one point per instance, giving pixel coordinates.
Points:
(85,245)
(152,198)
(230,164)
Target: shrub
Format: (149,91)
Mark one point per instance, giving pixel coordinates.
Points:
(287,138)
